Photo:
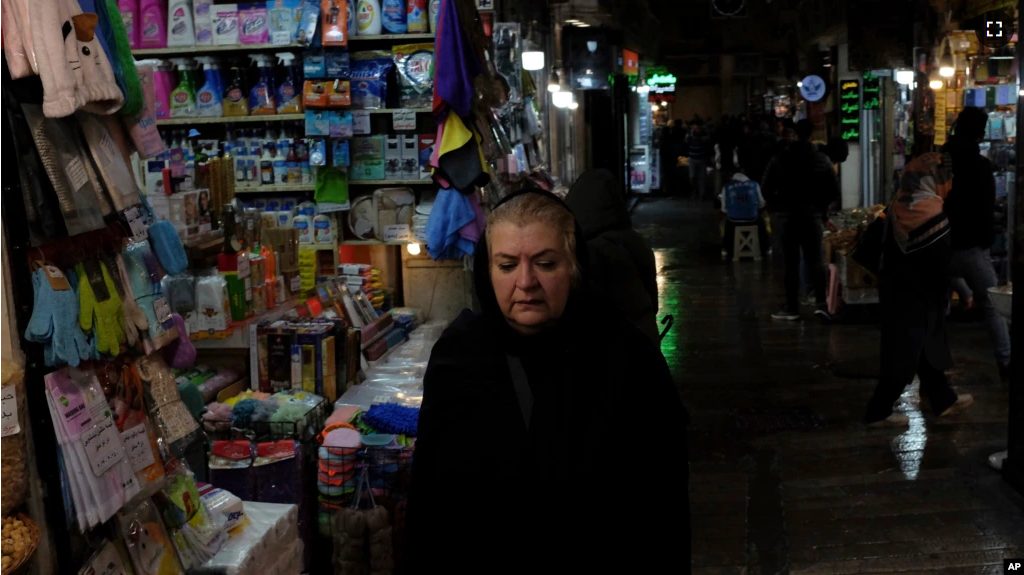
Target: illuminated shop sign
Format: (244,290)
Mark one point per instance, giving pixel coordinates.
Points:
(849,109)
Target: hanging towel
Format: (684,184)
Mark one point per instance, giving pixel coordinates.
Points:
(455,63)
(452,211)
(459,156)
(474,230)
(71,64)
(21,59)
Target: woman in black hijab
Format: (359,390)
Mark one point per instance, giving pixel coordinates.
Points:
(551,434)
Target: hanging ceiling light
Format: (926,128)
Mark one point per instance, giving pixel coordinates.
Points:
(947,61)
(533,60)
(905,77)
(936,82)
(561,98)
(553,85)
(664,104)
(574,105)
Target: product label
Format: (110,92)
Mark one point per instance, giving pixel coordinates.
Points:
(103,447)
(360,122)
(280,37)
(137,446)
(296,284)
(403,120)
(398,233)
(136,223)
(76,174)
(10,410)
(55,277)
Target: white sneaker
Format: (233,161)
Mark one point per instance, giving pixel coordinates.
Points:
(786,315)
(963,401)
(996,460)
(895,419)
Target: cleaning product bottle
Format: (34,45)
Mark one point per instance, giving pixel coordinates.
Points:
(280,165)
(241,150)
(434,11)
(267,165)
(180,28)
(255,153)
(129,10)
(183,98)
(289,99)
(261,96)
(188,152)
(153,25)
(353,25)
(235,101)
(163,84)
(368,17)
(208,97)
(393,16)
(305,170)
(291,164)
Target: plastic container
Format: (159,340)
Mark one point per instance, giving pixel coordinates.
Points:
(180,28)
(153,24)
(393,16)
(130,16)
(183,97)
(368,17)
(209,100)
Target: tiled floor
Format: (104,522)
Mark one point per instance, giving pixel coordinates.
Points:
(796,484)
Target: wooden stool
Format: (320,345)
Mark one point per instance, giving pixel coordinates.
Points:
(746,243)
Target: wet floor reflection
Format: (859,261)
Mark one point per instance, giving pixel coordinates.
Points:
(908,447)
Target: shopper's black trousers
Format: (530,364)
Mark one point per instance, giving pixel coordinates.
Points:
(802,232)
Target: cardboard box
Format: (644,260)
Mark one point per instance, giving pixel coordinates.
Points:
(410,157)
(393,157)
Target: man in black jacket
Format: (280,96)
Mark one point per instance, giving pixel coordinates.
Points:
(799,186)
(970,207)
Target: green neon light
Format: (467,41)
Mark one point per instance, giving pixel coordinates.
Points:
(661,80)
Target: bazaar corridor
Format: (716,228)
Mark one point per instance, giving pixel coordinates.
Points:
(785,477)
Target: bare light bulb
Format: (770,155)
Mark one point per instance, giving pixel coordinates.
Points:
(413,249)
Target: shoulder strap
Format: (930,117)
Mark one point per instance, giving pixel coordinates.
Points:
(522,388)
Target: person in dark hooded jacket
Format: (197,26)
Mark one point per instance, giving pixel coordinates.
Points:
(622,265)
(551,436)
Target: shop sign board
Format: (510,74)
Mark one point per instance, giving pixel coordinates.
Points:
(630,62)
(871,87)
(849,109)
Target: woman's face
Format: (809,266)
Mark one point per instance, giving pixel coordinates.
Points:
(531,274)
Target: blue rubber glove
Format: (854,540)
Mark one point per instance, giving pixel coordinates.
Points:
(54,323)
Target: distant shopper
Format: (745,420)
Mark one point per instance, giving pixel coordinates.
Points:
(519,420)
(913,280)
(970,208)
(742,204)
(621,263)
(699,151)
(800,186)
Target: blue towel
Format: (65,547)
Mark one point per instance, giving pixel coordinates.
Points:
(452,210)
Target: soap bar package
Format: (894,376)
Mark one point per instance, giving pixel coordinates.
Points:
(253,27)
(367,158)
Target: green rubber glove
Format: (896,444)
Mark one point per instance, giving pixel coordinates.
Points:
(106,318)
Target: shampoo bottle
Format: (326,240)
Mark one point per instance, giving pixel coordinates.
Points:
(289,99)
(180,28)
(208,97)
(183,98)
(153,26)
(261,97)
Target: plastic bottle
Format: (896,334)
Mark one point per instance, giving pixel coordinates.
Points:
(280,165)
(261,96)
(235,101)
(305,170)
(289,99)
(180,28)
(435,10)
(417,16)
(130,16)
(368,17)
(208,98)
(241,153)
(291,163)
(353,25)
(190,158)
(183,98)
(393,16)
(153,24)
(267,165)
(255,153)
(163,85)
(322,229)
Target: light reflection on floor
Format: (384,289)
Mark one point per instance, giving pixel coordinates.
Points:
(908,447)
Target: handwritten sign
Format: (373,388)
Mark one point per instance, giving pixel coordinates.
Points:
(138,448)
(849,109)
(103,447)
(10,410)
(403,120)
(398,233)
(360,122)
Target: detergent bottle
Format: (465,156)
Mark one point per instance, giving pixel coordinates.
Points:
(289,99)
(163,84)
(236,99)
(209,101)
(262,100)
(183,98)
(153,24)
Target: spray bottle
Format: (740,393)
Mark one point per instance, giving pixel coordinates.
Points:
(208,98)
(183,98)
(262,100)
(163,84)
(236,98)
(289,100)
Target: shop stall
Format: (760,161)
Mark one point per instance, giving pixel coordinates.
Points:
(209,243)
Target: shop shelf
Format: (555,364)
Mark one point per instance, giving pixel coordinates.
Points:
(173,50)
(231,119)
(371,243)
(390,182)
(276,188)
(318,247)
(390,110)
(368,37)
